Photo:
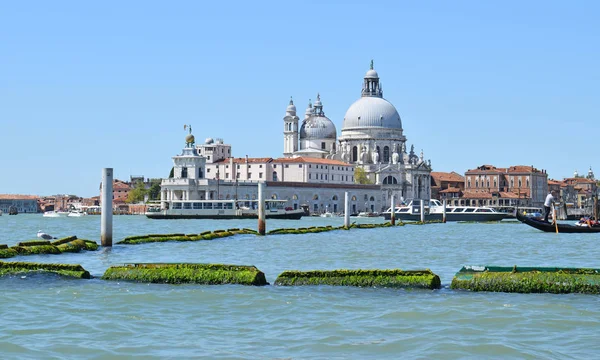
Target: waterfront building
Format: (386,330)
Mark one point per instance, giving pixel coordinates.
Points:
(516,185)
(23,203)
(313,183)
(447,185)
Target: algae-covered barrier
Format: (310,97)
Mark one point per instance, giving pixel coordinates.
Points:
(12,268)
(206,235)
(206,274)
(527,279)
(394,278)
(32,247)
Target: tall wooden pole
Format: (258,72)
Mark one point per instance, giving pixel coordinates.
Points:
(444,212)
(346,210)
(261,209)
(393,211)
(106,215)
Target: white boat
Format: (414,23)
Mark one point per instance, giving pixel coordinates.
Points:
(367,214)
(434,209)
(327,214)
(63,213)
(221,209)
(76,213)
(51,214)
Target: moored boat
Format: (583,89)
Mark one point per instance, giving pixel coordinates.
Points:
(560,228)
(434,209)
(222,209)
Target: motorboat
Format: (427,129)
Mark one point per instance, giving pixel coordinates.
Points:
(433,210)
(51,214)
(221,209)
(76,213)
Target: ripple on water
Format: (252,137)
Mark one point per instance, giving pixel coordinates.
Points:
(48,316)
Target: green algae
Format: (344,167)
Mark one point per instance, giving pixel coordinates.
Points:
(64,240)
(394,278)
(207,274)
(528,280)
(12,268)
(5,252)
(206,235)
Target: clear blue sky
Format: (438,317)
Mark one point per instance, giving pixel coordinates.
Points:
(87,85)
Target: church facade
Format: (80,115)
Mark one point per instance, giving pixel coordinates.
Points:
(371,138)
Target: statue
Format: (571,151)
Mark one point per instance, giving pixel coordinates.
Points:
(345,153)
(375,156)
(395,155)
(363,155)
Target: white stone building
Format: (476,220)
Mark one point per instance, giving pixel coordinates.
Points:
(371,137)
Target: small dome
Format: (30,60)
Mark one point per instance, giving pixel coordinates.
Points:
(372,112)
(189,139)
(291,109)
(317,127)
(371,74)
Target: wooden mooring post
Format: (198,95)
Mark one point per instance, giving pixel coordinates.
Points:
(106,215)
(261,209)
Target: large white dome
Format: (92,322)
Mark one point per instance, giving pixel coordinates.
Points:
(372,112)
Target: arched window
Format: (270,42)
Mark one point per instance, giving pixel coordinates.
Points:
(371,198)
(294,197)
(386,154)
(274,175)
(247,197)
(353,197)
(366,197)
(354,154)
(519,182)
(334,198)
(274,196)
(390,180)
(316,197)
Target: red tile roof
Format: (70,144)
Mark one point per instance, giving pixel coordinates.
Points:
(451,190)
(243,160)
(445,176)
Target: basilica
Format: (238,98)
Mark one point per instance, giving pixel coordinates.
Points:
(317,168)
(371,138)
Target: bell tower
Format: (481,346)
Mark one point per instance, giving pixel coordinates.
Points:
(290,130)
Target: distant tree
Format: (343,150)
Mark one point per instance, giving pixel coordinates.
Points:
(360,176)
(137,193)
(154,191)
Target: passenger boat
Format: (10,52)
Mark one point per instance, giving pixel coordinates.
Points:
(222,209)
(551,227)
(434,209)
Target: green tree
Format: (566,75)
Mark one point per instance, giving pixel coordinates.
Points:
(137,193)
(154,191)
(360,176)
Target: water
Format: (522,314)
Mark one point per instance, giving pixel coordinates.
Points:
(50,317)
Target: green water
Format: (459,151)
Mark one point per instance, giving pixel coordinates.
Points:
(49,317)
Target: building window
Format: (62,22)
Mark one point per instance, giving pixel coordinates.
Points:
(249,175)
(226,175)
(299,165)
(184,173)
(237,176)
(274,175)
(238,166)
(386,154)
(354,154)
(260,175)
(260,166)
(287,165)
(309,176)
(207,170)
(322,145)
